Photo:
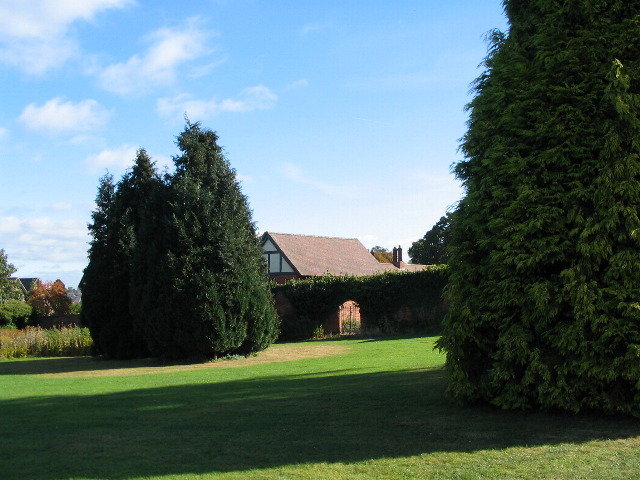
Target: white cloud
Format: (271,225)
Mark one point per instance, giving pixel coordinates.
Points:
(302,83)
(36,57)
(244,178)
(200,71)
(252,98)
(170,49)
(162,162)
(9,224)
(4,133)
(58,116)
(295,174)
(118,158)
(368,239)
(311,27)
(53,228)
(34,34)
(123,157)
(61,206)
(34,237)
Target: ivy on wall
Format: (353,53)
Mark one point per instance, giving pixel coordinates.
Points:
(382,297)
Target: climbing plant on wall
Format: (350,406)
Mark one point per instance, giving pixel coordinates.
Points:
(380,297)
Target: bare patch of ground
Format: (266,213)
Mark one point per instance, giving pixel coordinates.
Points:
(275,353)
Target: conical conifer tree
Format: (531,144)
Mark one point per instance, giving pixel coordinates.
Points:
(209,294)
(133,190)
(97,282)
(545,244)
(108,278)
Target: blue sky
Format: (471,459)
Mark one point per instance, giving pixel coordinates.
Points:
(341,117)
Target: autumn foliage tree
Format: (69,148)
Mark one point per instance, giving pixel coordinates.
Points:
(382,254)
(49,298)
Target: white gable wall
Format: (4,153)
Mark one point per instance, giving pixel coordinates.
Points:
(274,259)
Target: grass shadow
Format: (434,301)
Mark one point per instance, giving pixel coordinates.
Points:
(266,422)
(41,366)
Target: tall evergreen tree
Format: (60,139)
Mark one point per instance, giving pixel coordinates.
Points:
(209,295)
(126,339)
(109,275)
(149,221)
(545,244)
(97,284)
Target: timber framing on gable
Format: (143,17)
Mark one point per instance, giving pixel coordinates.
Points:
(276,260)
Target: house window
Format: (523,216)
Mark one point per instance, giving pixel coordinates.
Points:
(275,261)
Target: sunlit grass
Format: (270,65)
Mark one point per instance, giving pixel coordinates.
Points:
(373,408)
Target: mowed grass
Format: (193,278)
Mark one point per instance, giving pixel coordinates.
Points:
(356,409)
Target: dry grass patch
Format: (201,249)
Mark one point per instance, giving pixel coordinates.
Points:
(275,353)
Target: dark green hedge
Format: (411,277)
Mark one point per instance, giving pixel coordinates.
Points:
(381,299)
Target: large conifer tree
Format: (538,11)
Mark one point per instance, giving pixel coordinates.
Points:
(108,279)
(546,242)
(97,281)
(209,294)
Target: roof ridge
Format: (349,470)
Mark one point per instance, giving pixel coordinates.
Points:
(313,236)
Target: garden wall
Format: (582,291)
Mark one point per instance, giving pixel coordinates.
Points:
(389,303)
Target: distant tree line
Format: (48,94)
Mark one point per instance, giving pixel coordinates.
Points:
(175,268)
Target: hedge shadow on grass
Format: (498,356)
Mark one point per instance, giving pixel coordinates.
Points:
(41,366)
(267,422)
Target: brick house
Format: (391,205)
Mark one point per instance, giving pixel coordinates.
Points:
(291,256)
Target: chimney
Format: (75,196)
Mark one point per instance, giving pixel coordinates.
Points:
(397,257)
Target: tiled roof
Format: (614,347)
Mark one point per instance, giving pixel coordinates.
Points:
(313,256)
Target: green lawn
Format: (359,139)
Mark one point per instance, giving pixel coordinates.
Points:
(374,408)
